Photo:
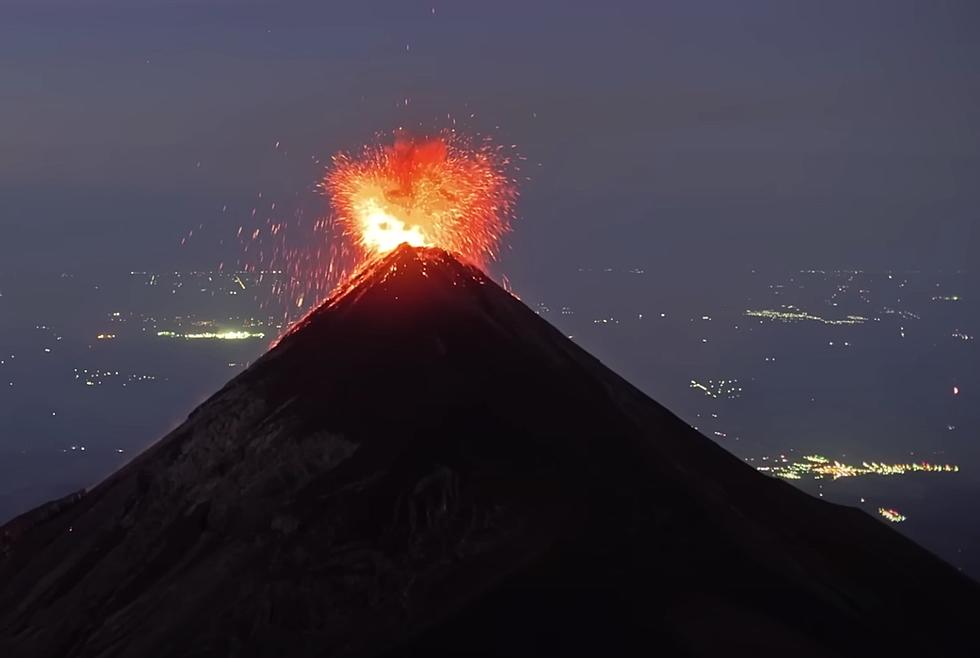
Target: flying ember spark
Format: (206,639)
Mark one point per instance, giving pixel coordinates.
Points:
(442,192)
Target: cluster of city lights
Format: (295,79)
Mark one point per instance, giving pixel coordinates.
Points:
(722,388)
(213,335)
(792,314)
(97,377)
(892,515)
(192,326)
(819,467)
(905,315)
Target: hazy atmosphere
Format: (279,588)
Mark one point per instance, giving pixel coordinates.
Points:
(763,214)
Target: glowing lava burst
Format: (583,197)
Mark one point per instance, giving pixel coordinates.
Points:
(447,191)
(438,192)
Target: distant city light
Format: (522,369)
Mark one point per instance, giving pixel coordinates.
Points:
(892,515)
(795,315)
(819,467)
(213,335)
(722,388)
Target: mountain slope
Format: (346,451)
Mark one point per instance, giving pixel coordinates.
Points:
(424,466)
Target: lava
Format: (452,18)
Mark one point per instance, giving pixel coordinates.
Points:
(437,192)
(446,191)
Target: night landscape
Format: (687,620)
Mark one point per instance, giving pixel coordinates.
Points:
(524,329)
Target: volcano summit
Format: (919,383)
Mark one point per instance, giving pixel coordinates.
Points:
(424,467)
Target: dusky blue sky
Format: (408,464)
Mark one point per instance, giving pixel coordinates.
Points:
(699,133)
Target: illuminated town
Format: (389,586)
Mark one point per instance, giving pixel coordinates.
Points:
(892,515)
(213,335)
(722,388)
(790,314)
(99,377)
(819,467)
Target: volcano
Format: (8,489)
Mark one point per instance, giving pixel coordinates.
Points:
(425,467)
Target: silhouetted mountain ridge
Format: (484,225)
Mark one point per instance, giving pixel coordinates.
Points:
(424,466)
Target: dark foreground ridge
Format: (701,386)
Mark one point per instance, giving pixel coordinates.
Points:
(424,467)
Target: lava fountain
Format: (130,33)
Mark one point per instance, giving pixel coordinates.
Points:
(446,191)
(436,192)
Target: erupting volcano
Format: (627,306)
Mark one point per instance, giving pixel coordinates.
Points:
(423,466)
(448,191)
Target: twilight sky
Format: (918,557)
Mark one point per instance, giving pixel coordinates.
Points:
(701,135)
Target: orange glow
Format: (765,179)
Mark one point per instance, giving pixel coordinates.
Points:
(381,232)
(438,192)
(447,191)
